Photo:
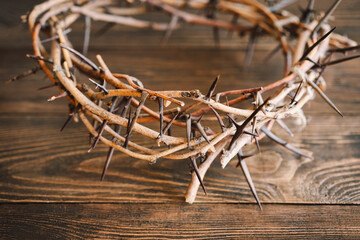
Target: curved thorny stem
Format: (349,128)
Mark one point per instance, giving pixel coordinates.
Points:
(108,102)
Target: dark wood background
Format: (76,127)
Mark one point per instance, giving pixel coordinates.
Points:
(49,184)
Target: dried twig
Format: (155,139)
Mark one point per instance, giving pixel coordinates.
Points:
(24,74)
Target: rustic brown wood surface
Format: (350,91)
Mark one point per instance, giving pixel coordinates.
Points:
(181,220)
(39,164)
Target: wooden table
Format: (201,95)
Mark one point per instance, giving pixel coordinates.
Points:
(49,184)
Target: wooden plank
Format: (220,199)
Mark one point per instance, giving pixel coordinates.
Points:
(40,164)
(346,19)
(178,221)
(163,68)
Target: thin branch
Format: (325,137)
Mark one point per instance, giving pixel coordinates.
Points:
(24,74)
(40,58)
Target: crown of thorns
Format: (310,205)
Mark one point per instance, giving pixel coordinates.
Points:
(307,43)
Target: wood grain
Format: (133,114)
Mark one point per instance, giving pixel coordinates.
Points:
(44,165)
(163,68)
(346,19)
(178,221)
(40,165)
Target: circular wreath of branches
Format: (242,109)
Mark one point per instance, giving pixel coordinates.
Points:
(307,44)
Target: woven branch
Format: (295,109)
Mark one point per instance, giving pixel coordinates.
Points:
(128,97)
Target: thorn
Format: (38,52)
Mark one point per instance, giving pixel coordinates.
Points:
(128,129)
(240,128)
(315,44)
(280,5)
(284,126)
(258,99)
(251,47)
(60,95)
(201,130)
(210,13)
(161,111)
(234,21)
(288,59)
(99,86)
(144,96)
(86,35)
(167,127)
(242,157)
(99,103)
(222,125)
(254,130)
(212,87)
(316,81)
(104,29)
(278,140)
(82,57)
(313,62)
(272,53)
(342,50)
(40,58)
(227,101)
(339,60)
(122,106)
(249,133)
(188,129)
(174,20)
(97,138)
(254,126)
(104,123)
(66,31)
(323,95)
(193,161)
(107,163)
(66,122)
(296,93)
(169,133)
(71,115)
(46,87)
(308,12)
(257,143)
(326,16)
(248,178)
